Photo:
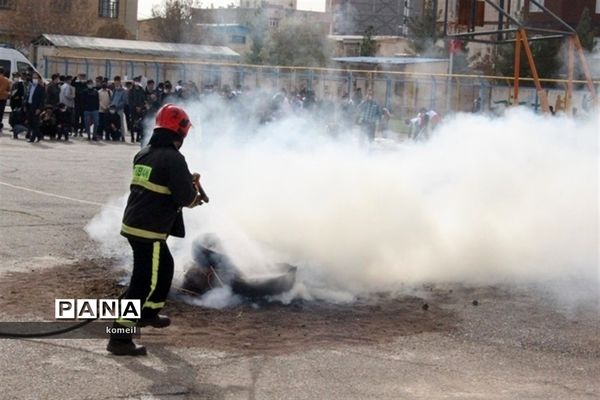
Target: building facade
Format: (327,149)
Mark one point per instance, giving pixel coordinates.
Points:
(93,56)
(568,10)
(349,45)
(23,20)
(387,17)
(291,4)
(233,26)
(487,17)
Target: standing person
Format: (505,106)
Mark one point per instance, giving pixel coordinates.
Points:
(136,97)
(127,109)
(357,97)
(17,92)
(67,93)
(17,118)
(67,97)
(53,91)
(99,80)
(167,95)
(4,94)
(91,105)
(369,114)
(34,105)
(161,185)
(104,97)
(78,119)
(118,101)
(150,89)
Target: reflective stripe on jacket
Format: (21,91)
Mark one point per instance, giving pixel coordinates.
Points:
(161,185)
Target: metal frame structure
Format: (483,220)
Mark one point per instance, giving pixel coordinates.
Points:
(518,34)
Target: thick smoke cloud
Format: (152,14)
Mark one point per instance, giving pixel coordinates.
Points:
(484,201)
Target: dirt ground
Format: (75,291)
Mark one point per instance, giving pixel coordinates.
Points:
(261,327)
(249,328)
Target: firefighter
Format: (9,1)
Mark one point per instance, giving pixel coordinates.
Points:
(161,185)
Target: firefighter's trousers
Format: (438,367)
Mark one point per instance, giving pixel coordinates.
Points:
(150,280)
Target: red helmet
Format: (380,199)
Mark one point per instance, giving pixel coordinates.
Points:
(173,118)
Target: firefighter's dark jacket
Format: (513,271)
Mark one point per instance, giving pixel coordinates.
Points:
(161,185)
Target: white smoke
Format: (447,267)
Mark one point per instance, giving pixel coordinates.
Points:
(484,201)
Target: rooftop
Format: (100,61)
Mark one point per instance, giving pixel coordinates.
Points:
(161,49)
(388,60)
(361,37)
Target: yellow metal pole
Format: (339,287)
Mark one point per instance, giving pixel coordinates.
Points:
(570,74)
(586,70)
(517,69)
(536,79)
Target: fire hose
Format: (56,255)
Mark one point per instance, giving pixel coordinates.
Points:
(55,332)
(203,197)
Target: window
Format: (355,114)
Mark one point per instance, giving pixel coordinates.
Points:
(5,64)
(238,39)
(273,22)
(108,8)
(534,8)
(597,6)
(23,67)
(465,9)
(5,4)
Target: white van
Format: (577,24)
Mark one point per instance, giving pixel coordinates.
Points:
(13,60)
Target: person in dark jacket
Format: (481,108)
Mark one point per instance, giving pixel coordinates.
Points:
(91,106)
(53,91)
(17,118)
(18,122)
(136,99)
(17,91)
(161,185)
(80,86)
(48,122)
(34,105)
(113,124)
(63,118)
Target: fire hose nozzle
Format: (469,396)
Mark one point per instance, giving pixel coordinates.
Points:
(201,193)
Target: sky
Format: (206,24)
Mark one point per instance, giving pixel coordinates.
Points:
(145,6)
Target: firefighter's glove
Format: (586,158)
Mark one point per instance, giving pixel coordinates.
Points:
(197,201)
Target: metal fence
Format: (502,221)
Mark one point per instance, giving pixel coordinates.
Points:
(401,92)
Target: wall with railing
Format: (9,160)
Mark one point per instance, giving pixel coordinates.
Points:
(404,93)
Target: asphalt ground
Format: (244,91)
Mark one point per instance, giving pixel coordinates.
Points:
(514,344)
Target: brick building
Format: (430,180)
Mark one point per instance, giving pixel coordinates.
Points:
(568,10)
(23,20)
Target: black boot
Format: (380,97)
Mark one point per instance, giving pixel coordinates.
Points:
(158,321)
(125,348)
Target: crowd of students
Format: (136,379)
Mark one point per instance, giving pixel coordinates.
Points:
(69,106)
(106,110)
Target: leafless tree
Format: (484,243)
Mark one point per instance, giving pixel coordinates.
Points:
(173,21)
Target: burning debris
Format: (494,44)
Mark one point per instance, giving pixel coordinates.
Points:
(212,268)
